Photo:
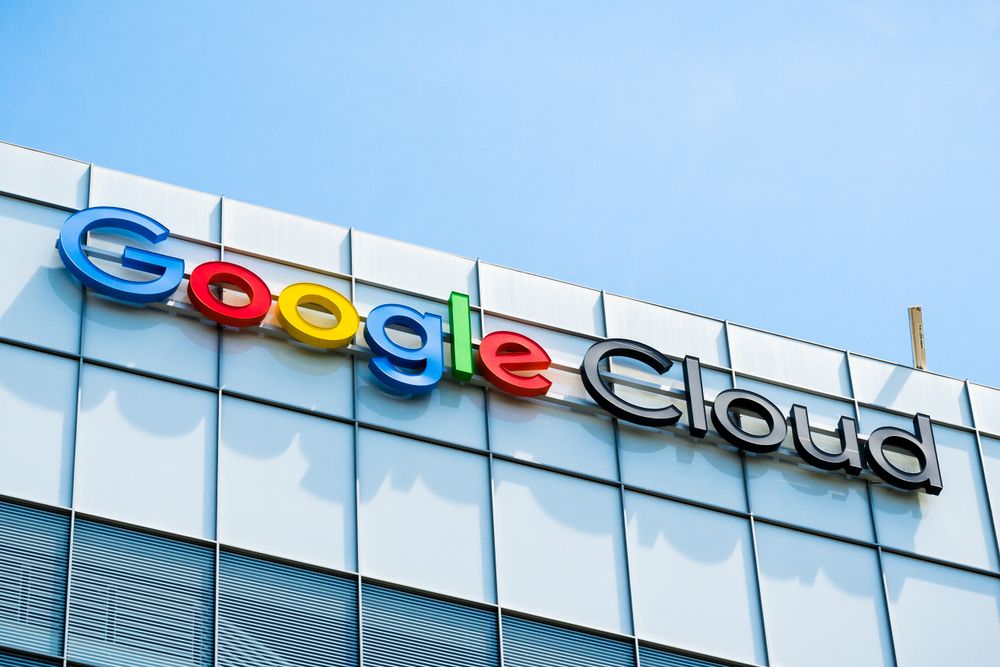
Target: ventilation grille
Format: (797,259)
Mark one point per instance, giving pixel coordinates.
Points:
(403,629)
(14,660)
(139,600)
(533,644)
(651,657)
(34,545)
(276,615)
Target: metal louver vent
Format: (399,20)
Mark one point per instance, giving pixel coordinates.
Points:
(34,546)
(651,657)
(534,644)
(403,629)
(275,615)
(17,660)
(139,600)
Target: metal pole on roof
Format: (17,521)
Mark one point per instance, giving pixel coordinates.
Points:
(917,341)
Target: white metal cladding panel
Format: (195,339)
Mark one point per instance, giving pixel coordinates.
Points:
(909,390)
(412,267)
(284,616)
(402,629)
(43,177)
(670,331)
(12,660)
(34,547)
(541,300)
(533,644)
(285,236)
(185,212)
(985,407)
(139,600)
(790,361)
(651,657)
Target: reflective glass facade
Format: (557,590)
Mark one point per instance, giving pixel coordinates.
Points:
(173,493)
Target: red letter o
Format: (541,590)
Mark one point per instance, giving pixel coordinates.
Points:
(213,273)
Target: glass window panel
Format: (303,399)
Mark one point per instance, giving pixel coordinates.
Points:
(145,452)
(285,236)
(688,565)
(412,267)
(985,407)
(542,300)
(670,331)
(553,435)
(425,516)
(39,301)
(43,177)
(941,615)
(910,390)
(286,484)
(991,462)
(37,419)
(815,590)
(186,212)
(806,496)
(151,340)
(681,466)
(277,370)
(792,490)
(788,360)
(452,412)
(560,548)
(568,385)
(954,525)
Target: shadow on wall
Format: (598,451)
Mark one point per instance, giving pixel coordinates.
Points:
(893,386)
(262,432)
(682,451)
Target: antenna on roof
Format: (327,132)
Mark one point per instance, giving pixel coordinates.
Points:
(917,338)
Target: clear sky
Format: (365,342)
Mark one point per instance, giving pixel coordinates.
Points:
(811,168)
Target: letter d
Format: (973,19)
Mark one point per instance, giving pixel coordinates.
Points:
(921,446)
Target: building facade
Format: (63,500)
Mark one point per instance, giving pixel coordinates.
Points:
(182,494)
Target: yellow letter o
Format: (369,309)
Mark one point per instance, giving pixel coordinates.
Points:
(306,294)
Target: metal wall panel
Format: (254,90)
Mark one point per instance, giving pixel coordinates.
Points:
(34,548)
(909,390)
(985,407)
(541,300)
(670,331)
(400,628)
(534,644)
(278,615)
(412,267)
(285,236)
(790,361)
(139,600)
(43,177)
(185,212)
(39,300)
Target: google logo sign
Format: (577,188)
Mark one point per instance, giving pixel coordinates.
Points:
(510,361)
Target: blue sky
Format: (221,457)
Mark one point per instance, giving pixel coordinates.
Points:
(807,168)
